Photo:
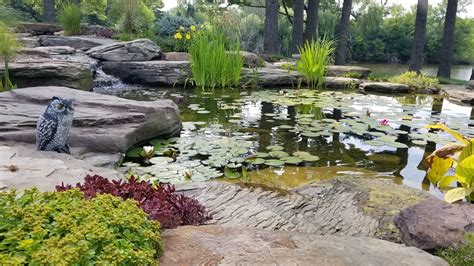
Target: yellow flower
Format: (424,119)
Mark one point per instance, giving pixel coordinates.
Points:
(201,26)
(193,28)
(181,28)
(188,36)
(178,36)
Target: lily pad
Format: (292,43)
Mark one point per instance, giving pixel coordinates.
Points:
(255,161)
(228,173)
(275,148)
(134,152)
(275,163)
(291,160)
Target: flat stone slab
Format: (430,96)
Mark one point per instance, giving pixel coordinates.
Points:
(271,77)
(136,50)
(348,206)
(341,83)
(24,168)
(434,224)
(384,87)
(46,72)
(154,73)
(459,94)
(339,71)
(83,43)
(219,245)
(102,123)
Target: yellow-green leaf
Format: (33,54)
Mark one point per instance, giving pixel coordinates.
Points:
(467,151)
(447,180)
(456,194)
(465,170)
(455,134)
(438,169)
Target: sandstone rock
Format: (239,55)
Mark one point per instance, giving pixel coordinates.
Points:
(349,206)
(39,28)
(340,83)
(459,94)
(43,170)
(470,85)
(434,224)
(250,59)
(218,245)
(166,73)
(338,71)
(48,50)
(29,42)
(175,56)
(102,123)
(384,87)
(78,42)
(136,50)
(97,30)
(271,77)
(76,75)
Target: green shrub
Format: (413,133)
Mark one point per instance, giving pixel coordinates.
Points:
(418,82)
(315,56)
(9,47)
(289,67)
(135,16)
(353,74)
(461,256)
(168,24)
(63,228)
(211,64)
(70,17)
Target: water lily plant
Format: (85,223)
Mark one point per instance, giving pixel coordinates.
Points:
(459,156)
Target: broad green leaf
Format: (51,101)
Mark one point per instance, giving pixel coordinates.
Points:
(228,173)
(438,169)
(455,134)
(447,180)
(456,194)
(467,151)
(465,170)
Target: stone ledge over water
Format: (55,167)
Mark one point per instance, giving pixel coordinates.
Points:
(102,123)
(223,245)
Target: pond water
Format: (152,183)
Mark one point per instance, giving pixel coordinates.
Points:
(295,136)
(462,72)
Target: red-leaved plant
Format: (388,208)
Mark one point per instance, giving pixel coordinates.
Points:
(161,203)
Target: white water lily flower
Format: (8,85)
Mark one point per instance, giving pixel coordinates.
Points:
(148,151)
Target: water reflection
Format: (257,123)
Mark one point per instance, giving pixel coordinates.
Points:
(263,121)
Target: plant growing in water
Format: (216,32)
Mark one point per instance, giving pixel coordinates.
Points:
(211,64)
(70,17)
(462,157)
(315,56)
(9,47)
(416,81)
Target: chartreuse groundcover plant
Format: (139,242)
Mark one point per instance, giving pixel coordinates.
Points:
(65,228)
(9,47)
(461,157)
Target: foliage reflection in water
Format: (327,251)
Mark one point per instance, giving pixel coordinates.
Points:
(381,134)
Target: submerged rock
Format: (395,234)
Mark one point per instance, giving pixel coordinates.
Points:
(136,50)
(434,224)
(30,73)
(219,245)
(102,123)
(78,42)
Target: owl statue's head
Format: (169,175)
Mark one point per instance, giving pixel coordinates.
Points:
(61,106)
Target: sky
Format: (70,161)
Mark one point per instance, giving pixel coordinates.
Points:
(406,3)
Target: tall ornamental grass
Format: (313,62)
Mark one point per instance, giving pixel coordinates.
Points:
(315,56)
(9,47)
(211,64)
(70,17)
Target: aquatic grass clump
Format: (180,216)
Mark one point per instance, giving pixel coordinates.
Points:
(9,48)
(70,17)
(315,56)
(211,64)
(64,228)
(416,81)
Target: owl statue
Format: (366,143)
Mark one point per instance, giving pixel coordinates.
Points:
(53,125)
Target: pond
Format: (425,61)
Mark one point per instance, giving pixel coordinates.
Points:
(292,137)
(462,72)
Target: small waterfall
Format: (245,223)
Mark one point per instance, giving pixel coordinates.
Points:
(105,83)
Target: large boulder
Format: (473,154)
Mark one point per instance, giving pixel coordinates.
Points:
(39,28)
(349,71)
(46,51)
(136,50)
(434,224)
(218,245)
(341,83)
(251,60)
(83,43)
(102,123)
(270,77)
(155,73)
(30,73)
(175,56)
(23,167)
(384,87)
(344,206)
(459,94)
(470,85)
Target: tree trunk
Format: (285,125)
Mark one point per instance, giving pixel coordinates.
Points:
(49,12)
(343,33)
(472,74)
(312,19)
(297,37)
(270,38)
(446,51)
(416,58)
